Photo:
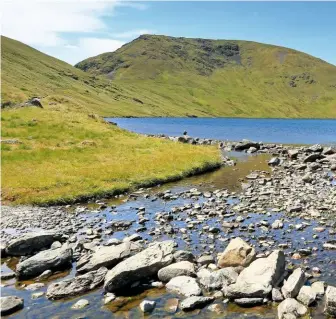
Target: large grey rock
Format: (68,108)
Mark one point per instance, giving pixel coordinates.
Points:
(53,259)
(306,295)
(313,157)
(237,253)
(195,302)
(77,285)
(32,242)
(245,145)
(293,154)
(290,308)
(142,265)
(274,161)
(257,280)
(330,305)
(184,285)
(249,302)
(294,283)
(213,280)
(108,256)
(10,304)
(182,268)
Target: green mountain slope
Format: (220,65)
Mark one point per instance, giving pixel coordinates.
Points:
(27,72)
(220,78)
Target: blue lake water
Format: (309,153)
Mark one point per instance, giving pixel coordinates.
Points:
(290,131)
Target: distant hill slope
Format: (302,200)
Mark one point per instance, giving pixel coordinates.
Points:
(27,72)
(220,78)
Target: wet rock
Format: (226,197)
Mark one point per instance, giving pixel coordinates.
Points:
(217,279)
(7,276)
(182,268)
(108,256)
(32,242)
(294,283)
(80,304)
(257,280)
(142,265)
(147,306)
(33,287)
(237,253)
(171,305)
(184,285)
(182,255)
(195,302)
(37,295)
(277,224)
(290,308)
(245,145)
(10,304)
(109,297)
(249,302)
(274,161)
(77,285)
(330,305)
(306,295)
(217,308)
(46,274)
(53,259)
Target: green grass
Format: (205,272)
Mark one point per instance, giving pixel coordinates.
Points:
(197,77)
(67,156)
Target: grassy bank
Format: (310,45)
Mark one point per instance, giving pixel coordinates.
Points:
(61,157)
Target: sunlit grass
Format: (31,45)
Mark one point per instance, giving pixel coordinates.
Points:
(67,156)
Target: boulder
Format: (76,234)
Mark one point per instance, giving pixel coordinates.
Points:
(182,268)
(195,302)
(10,304)
(217,279)
(290,308)
(142,265)
(108,256)
(80,304)
(205,260)
(257,280)
(306,295)
(318,288)
(147,305)
(237,253)
(182,255)
(32,242)
(184,285)
(330,305)
(245,145)
(294,283)
(312,157)
(52,259)
(277,295)
(77,285)
(293,154)
(274,161)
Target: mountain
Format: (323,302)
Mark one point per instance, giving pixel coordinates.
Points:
(220,78)
(27,73)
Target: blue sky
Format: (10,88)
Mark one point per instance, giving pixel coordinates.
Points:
(74,30)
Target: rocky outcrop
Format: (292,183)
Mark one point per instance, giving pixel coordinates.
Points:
(108,256)
(184,285)
(77,285)
(142,265)
(32,242)
(53,259)
(237,253)
(259,278)
(10,304)
(306,295)
(182,268)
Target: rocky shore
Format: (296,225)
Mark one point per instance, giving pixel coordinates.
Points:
(273,243)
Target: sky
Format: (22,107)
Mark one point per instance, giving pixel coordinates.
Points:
(74,30)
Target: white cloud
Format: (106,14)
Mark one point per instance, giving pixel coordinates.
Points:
(132,33)
(43,22)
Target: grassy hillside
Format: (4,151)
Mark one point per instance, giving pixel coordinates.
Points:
(64,152)
(221,78)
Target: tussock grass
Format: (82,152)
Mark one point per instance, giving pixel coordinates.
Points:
(68,156)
